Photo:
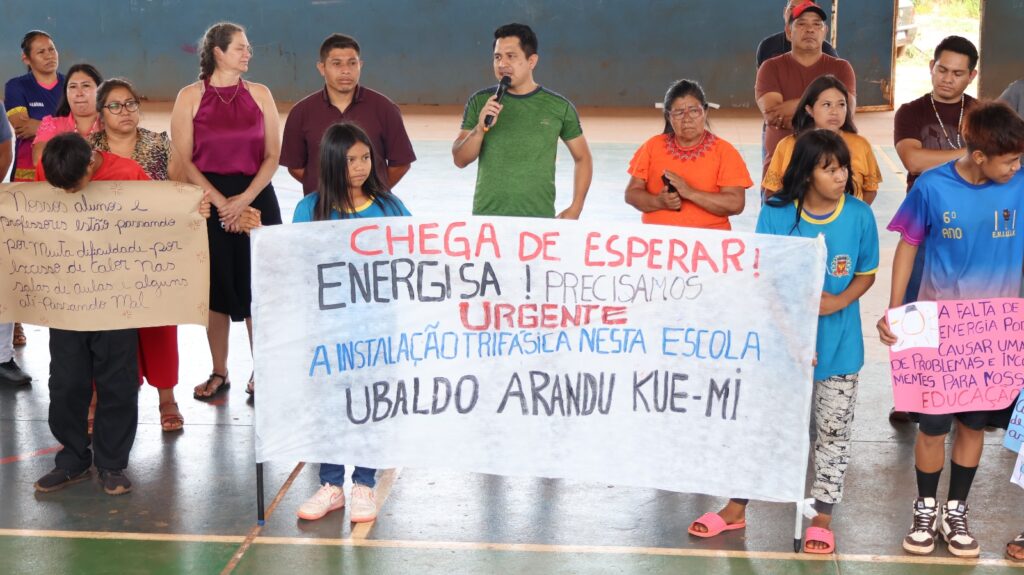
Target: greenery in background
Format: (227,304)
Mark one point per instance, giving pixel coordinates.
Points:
(961,17)
(949,8)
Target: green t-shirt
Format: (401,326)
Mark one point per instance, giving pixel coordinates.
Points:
(516,172)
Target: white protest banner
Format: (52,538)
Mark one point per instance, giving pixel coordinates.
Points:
(114,255)
(642,355)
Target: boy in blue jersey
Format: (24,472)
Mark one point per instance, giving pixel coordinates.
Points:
(965,212)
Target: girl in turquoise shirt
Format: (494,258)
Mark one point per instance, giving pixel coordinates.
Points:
(348,188)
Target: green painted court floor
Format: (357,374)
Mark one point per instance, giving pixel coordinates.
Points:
(66,555)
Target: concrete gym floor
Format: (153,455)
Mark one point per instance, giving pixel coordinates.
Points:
(193,507)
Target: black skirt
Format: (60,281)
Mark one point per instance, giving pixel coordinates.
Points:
(230,256)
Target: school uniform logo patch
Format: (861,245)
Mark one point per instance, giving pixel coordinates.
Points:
(840,266)
(1004,223)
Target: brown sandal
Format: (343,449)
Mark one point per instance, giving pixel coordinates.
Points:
(19,339)
(223,386)
(171,418)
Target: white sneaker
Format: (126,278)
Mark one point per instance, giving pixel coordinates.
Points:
(326,499)
(955,531)
(364,504)
(921,539)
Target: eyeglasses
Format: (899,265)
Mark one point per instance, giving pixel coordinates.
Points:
(692,113)
(119,107)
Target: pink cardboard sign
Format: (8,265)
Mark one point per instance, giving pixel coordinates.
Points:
(954,356)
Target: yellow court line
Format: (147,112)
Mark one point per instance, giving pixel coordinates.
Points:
(383,490)
(888,161)
(513,547)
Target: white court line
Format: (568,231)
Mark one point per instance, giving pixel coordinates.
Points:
(888,161)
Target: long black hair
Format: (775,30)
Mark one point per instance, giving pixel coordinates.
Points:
(803,120)
(814,148)
(64,107)
(333,184)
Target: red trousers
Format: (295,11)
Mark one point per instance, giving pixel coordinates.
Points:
(158,356)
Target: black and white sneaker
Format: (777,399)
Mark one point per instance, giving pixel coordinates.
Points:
(921,539)
(955,531)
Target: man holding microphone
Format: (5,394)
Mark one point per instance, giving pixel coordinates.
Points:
(518,145)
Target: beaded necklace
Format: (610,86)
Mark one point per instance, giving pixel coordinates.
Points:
(707,141)
(959,122)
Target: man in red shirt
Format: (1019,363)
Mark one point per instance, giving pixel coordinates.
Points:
(781,80)
(78,359)
(344,99)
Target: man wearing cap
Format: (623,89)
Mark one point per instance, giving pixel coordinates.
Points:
(781,80)
(779,44)
(517,147)
(344,99)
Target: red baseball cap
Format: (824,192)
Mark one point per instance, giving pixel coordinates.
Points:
(808,6)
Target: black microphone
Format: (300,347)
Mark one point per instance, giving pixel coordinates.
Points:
(499,94)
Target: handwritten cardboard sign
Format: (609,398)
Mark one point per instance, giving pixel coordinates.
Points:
(953,356)
(539,347)
(114,255)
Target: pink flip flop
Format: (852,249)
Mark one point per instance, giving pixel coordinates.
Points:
(715,525)
(819,535)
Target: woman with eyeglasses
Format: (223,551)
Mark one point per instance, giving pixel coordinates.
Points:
(118,106)
(687,176)
(224,130)
(76,111)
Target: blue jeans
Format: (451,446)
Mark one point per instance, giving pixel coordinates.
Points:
(335,475)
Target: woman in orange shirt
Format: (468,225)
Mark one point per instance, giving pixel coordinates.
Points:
(687,176)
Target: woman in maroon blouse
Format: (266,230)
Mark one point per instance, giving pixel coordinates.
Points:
(225,131)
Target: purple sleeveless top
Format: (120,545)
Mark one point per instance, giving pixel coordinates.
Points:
(227,132)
